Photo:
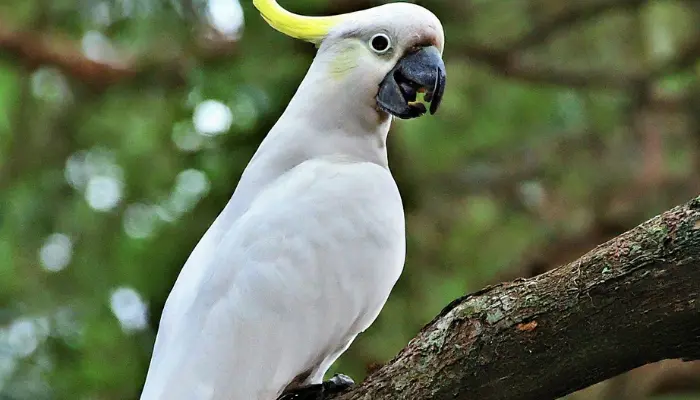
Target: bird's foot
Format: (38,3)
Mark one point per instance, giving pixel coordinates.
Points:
(338,383)
(319,391)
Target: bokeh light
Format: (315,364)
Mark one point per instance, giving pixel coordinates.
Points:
(129,308)
(56,252)
(212,117)
(226,16)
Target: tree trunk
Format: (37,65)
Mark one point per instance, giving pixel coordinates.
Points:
(631,301)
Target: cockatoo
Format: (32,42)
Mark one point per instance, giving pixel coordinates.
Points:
(306,252)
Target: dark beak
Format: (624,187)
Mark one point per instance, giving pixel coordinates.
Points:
(420,71)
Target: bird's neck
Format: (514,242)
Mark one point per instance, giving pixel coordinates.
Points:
(330,115)
(320,121)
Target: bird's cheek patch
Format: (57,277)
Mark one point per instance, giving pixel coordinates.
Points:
(345,61)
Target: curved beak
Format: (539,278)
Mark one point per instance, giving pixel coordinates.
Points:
(422,71)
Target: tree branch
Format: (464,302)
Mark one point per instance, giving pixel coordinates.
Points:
(575,15)
(631,301)
(508,61)
(34,49)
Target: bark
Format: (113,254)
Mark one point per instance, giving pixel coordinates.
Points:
(629,302)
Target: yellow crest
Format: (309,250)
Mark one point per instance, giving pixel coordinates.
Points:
(312,29)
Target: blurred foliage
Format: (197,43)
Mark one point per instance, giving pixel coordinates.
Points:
(125,124)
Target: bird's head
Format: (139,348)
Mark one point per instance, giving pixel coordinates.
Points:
(386,56)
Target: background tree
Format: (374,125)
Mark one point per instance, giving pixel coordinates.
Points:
(124,125)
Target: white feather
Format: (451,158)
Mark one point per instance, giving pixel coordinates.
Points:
(305,269)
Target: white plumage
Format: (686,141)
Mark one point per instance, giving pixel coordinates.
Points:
(307,267)
(306,252)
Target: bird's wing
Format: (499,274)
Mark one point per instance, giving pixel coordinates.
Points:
(300,273)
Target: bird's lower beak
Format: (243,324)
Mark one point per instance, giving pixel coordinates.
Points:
(421,71)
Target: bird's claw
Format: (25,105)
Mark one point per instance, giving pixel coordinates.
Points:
(336,384)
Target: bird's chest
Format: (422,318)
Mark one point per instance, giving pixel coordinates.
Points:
(359,247)
(335,234)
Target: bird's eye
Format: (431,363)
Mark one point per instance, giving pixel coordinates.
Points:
(380,43)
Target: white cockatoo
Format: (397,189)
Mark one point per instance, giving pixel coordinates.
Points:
(304,256)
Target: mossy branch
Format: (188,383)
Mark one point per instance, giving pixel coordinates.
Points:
(631,301)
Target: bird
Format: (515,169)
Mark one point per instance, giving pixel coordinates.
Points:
(306,252)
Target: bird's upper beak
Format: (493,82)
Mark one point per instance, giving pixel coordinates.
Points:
(419,71)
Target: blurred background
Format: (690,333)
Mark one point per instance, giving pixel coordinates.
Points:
(125,124)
